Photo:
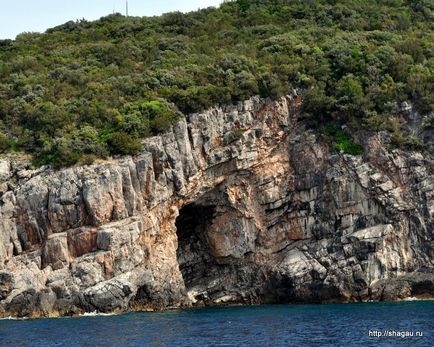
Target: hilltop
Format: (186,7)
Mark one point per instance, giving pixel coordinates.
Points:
(86,90)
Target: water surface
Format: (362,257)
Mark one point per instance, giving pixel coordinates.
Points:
(269,325)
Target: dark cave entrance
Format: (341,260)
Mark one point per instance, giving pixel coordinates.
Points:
(210,272)
(193,253)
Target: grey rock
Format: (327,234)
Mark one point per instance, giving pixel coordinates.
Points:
(5,169)
(6,284)
(55,252)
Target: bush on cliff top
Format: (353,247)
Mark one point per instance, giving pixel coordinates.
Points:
(87,89)
(342,140)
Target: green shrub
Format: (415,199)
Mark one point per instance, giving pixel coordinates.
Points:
(414,144)
(348,147)
(342,140)
(58,153)
(160,114)
(124,143)
(7,143)
(4,142)
(316,105)
(236,134)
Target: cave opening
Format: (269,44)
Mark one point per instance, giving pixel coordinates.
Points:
(193,253)
(213,255)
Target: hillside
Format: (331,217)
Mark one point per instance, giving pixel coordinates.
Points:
(205,215)
(87,90)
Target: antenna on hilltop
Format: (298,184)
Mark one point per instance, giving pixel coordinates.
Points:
(126,7)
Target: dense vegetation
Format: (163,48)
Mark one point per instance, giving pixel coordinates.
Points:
(90,89)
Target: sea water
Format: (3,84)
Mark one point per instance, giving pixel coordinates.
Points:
(408,323)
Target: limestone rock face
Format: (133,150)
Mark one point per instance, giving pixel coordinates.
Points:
(241,204)
(5,169)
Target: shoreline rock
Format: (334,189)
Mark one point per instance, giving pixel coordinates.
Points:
(241,204)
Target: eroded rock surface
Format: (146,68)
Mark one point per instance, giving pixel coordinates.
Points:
(235,205)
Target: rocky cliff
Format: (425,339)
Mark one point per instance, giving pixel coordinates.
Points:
(240,204)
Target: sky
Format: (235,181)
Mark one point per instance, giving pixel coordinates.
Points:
(19,16)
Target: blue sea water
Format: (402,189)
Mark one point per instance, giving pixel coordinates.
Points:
(269,325)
